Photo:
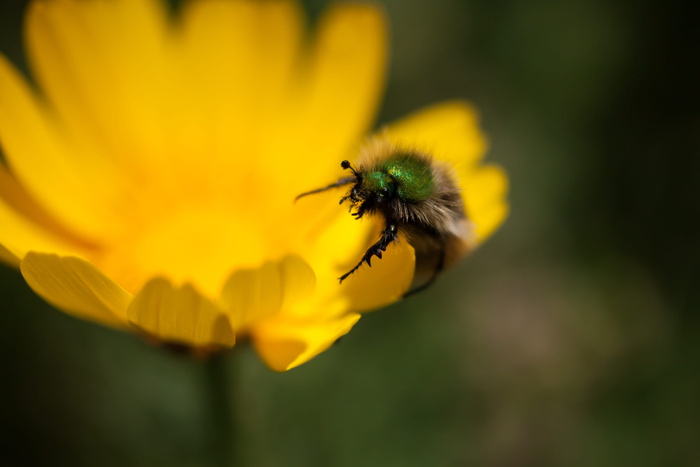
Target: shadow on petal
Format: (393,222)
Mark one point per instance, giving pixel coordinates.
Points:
(179,315)
(252,295)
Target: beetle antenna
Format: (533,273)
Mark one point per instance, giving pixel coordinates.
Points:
(346,165)
(341,182)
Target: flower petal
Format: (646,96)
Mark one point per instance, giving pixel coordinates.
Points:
(337,101)
(485,198)
(448,130)
(179,315)
(105,69)
(15,196)
(42,160)
(27,227)
(19,235)
(252,295)
(237,60)
(347,71)
(239,57)
(285,344)
(76,287)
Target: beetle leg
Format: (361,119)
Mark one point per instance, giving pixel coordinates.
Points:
(389,234)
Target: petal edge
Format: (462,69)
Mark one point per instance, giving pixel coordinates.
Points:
(286,345)
(76,287)
(180,315)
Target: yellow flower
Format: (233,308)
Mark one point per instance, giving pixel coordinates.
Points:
(150,177)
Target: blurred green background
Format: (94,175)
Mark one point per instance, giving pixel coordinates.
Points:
(570,339)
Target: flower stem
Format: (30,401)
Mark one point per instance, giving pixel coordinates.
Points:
(221,414)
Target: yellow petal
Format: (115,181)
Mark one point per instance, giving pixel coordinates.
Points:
(19,235)
(252,295)
(449,131)
(179,315)
(27,227)
(484,194)
(347,70)
(284,345)
(72,189)
(197,244)
(15,196)
(239,57)
(342,83)
(104,66)
(76,287)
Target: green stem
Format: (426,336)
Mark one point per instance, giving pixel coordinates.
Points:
(221,407)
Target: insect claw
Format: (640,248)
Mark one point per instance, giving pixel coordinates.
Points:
(345,276)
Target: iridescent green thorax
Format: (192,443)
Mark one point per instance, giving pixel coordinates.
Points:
(410,174)
(380,182)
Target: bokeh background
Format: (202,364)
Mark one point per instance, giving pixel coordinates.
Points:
(572,338)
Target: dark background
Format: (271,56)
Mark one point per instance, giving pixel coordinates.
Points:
(571,338)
